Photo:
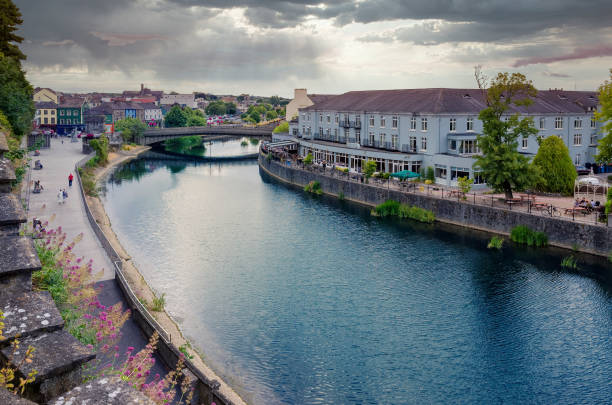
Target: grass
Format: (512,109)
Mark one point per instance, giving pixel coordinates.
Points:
(392,208)
(495,243)
(569,262)
(523,235)
(159,302)
(183,349)
(341,196)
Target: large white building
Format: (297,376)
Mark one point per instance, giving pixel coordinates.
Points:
(184,100)
(415,128)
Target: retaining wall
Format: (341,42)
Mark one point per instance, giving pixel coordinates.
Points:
(563,233)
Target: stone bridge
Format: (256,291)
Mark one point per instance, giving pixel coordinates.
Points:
(152,136)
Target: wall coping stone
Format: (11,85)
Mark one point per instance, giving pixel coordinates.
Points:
(17,255)
(7,397)
(104,391)
(11,212)
(28,314)
(7,175)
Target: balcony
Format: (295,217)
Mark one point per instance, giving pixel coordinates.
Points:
(409,148)
(350,124)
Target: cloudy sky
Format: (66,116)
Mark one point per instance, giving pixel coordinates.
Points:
(268,47)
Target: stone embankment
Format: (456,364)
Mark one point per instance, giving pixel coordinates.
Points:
(590,238)
(31,316)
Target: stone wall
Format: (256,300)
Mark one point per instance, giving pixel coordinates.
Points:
(590,238)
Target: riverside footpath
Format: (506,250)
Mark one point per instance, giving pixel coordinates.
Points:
(58,162)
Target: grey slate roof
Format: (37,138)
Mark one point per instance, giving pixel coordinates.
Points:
(44,104)
(448,101)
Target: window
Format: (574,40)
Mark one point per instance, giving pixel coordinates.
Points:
(308,117)
(453,125)
(478,179)
(336,118)
(525,143)
(358,136)
(45,112)
(394,141)
(381,139)
(371,140)
(424,143)
(62,112)
(328,119)
(413,124)
(558,123)
(336,134)
(578,123)
(413,144)
(457,172)
(440,171)
(593,122)
(593,139)
(382,121)
(577,159)
(327,132)
(69,122)
(470,124)
(46,120)
(320,131)
(452,144)
(371,120)
(346,133)
(52,120)
(542,123)
(394,122)
(321,118)
(423,124)
(577,139)
(62,121)
(468,147)
(52,112)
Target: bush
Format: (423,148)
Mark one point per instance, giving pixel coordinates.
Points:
(131,129)
(100,145)
(313,187)
(431,175)
(495,243)
(308,159)
(392,208)
(284,127)
(244,144)
(524,235)
(557,171)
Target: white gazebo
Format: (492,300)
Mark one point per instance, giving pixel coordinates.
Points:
(591,188)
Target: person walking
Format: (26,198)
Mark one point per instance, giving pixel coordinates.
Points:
(64,195)
(70,177)
(60,197)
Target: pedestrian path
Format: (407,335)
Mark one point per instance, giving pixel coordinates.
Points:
(58,162)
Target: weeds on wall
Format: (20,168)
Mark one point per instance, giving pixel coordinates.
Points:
(525,236)
(392,208)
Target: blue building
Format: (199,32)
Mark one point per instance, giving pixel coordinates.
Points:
(417,128)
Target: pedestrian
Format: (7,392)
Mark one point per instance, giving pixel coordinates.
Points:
(60,197)
(70,180)
(64,195)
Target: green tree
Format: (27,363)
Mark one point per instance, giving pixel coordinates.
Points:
(368,168)
(176,117)
(275,100)
(308,159)
(283,127)
(100,145)
(604,115)
(131,129)
(15,95)
(196,121)
(10,18)
(255,116)
(431,174)
(230,108)
(465,184)
(270,115)
(556,167)
(503,167)
(216,108)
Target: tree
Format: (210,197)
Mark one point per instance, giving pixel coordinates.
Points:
(368,168)
(431,174)
(270,115)
(216,108)
(196,121)
(255,116)
(604,149)
(176,117)
(465,184)
(15,95)
(556,167)
(283,127)
(10,18)
(230,108)
(503,167)
(308,159)
(131,129)
(275,100)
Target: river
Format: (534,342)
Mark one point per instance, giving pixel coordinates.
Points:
(308,300)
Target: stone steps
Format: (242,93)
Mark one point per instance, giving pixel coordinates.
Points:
(11,215)
(28,314)
(57,358)
(18,259)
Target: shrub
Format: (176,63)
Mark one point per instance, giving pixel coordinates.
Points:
(159,302)
(100,145)
(308,159)
(368,167)
(244,143)
(392,208)
(313,187)
(388,208)
(465,184)
(524,235)
(431,175)
(557,171)
(495,243)
(283,127)
(569,262)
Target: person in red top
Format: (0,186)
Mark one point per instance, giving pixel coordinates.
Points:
(70,180)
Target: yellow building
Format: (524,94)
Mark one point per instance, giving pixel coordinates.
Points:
(46,114)
(44,94)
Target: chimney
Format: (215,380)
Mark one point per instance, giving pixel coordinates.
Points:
(141,88)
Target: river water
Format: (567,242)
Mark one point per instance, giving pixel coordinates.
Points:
(307,300)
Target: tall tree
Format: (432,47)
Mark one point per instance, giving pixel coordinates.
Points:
(10,18)
(131,129)
(176,117)
(15,95)
(556,167)
(500,163)
(604,115)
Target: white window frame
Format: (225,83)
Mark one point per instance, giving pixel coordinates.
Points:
(383,121)
(371,138)
(424,143)
(542,123)
(394,140)
(381,139)
(525,143)
(577,139)
(452,126)
(593,123)
(578,123)
(336,118)
(558,122)
(413,123)
(394,121)
(469,124)
(358,136)
(371,121)
(577,159)
(412,144)
(424,124)
(593,139)
(328,119)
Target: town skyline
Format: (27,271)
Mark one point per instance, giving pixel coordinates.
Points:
(334,47)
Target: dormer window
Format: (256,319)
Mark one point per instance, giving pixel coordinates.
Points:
(466,95)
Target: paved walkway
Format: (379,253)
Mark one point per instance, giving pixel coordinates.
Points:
(58,162)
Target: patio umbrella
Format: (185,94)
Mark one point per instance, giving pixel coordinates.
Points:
(405,174)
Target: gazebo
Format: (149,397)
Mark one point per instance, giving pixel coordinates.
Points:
(591,188)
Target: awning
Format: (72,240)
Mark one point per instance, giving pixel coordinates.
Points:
(405,174)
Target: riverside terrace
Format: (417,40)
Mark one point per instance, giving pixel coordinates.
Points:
(413,128)
(561,208)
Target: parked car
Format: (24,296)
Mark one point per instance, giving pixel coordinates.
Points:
(581,170)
